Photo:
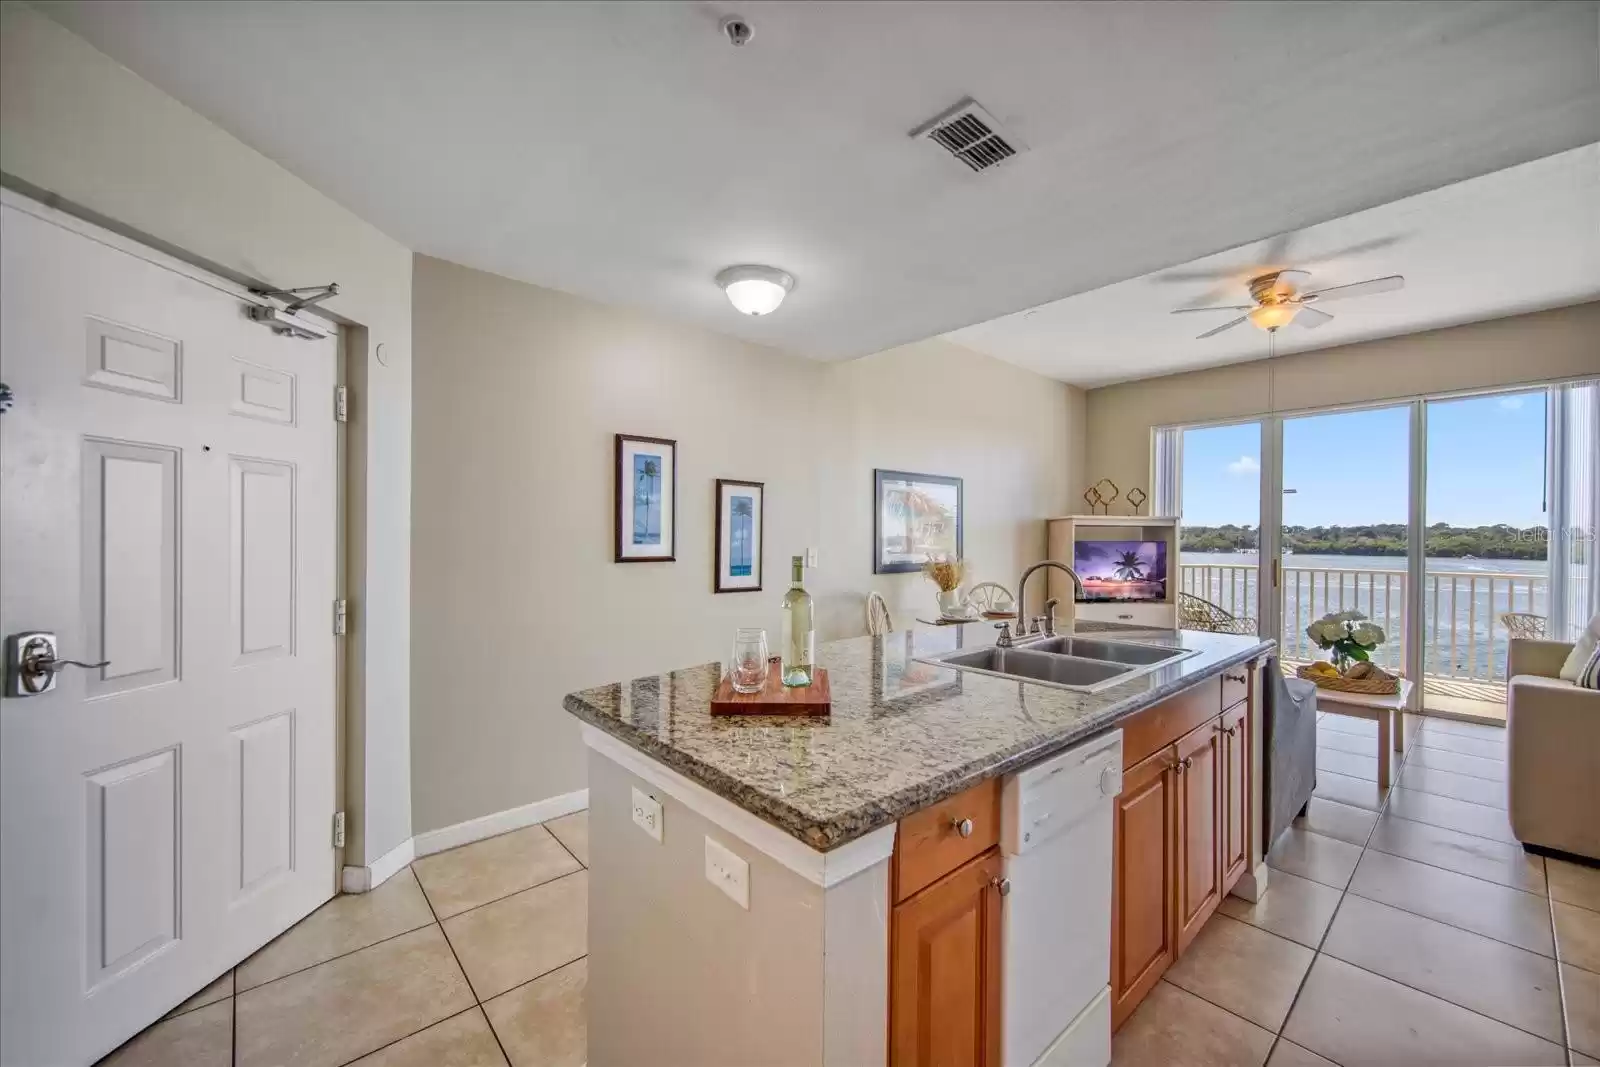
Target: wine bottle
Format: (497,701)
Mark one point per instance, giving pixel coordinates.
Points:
(799,635)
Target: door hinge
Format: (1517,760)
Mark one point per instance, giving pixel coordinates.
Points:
(338,829)
(341,617)
(341,403)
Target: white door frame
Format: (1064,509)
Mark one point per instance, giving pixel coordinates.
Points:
(242,293)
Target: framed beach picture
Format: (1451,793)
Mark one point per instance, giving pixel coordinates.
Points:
(647,499)
(915,517)
(738,550)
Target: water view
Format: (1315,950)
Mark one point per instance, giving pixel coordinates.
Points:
(1463,600)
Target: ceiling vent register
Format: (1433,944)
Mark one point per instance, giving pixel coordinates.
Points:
(970,134)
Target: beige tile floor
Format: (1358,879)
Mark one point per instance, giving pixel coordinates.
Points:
(476,957)
(1407,928)
(1400,929)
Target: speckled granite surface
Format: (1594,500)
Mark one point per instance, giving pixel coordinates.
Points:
(903,734)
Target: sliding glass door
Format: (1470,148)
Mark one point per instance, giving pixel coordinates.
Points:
(1486,572)
(1455,523)
(1345,529)
(1219,536)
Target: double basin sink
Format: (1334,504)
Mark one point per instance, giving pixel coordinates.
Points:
(1081,664)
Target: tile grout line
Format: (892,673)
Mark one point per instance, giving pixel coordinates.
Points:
(1278,1038)
(414,1033)
(476,907)
(477,1001)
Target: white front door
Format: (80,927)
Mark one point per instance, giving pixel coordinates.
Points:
(168,488)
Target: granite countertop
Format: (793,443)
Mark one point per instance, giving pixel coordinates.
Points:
(902,735)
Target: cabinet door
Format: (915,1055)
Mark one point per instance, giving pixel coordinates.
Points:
(1143,932)
(944,996)
(1235,811)
(1199,773)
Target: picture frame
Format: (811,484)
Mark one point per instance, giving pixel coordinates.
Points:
(914,517)
(740,536)
(646,491)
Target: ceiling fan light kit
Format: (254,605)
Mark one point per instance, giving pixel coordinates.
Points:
(1278,301)
(754,289)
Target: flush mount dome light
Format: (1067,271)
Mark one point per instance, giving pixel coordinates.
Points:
(755,290)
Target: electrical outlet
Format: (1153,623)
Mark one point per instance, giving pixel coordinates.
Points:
(647,813)
(811,557)
(728,873)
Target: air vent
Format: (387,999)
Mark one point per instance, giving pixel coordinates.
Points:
(971,134)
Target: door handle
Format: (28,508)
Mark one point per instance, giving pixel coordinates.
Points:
(32,663)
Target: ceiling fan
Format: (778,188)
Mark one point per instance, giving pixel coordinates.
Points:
(1279,300)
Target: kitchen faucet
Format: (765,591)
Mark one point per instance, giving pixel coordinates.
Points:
(1022,584)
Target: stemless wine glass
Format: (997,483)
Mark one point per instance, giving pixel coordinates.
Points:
(749,666)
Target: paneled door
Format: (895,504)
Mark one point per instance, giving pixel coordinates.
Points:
(168,506)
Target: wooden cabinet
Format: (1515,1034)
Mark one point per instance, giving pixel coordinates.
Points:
(1235,809)
(938,839)
(1182,829)
(944,980)
(1197,770)
(1143,882)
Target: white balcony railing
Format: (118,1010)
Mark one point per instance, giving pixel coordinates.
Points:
(1464,638)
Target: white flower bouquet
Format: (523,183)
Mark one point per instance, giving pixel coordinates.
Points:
(1348,636)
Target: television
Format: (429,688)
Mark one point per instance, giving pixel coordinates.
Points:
(1121,571)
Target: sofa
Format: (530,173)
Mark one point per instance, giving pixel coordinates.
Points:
(1552,753)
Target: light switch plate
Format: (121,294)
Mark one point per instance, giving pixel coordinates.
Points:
(811,557)
(728,873)
(647,813)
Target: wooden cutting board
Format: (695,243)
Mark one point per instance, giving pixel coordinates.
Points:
(775,698)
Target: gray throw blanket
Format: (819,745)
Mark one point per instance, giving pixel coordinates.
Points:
(1289,749)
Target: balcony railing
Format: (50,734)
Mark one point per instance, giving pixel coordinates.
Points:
(1464,638)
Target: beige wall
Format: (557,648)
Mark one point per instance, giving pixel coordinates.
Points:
(521,391)
(77,126)
(1541,346)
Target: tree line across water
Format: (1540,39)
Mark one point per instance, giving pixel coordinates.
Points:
(1377,539)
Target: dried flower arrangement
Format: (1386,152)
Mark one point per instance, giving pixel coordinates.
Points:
(944,573)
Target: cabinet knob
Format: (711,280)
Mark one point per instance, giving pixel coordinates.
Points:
(1188,762)
(961,826)
(1178,767)
(1002,884)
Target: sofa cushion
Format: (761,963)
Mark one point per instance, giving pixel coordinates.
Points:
(1582,651)
(1589,676)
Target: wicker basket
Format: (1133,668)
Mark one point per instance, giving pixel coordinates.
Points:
(1338,683)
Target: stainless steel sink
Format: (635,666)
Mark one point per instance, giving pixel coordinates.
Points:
(1110,651)
(1067,671)
(1081,664)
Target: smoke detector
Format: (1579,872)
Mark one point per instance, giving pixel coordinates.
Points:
(971,134)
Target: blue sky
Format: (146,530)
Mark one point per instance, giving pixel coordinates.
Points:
(1485,465)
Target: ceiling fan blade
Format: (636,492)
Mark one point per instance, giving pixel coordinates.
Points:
(1224,326)
(1366,288)
(1215,307)
(1310,318)
(1213,274)
(1277,249)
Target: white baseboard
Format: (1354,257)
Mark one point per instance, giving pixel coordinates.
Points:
(386,866)
(365,879)
(501,822)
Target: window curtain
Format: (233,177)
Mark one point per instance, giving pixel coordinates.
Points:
(1168,452)
(1574,455)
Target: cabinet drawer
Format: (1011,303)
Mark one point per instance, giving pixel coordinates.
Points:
(930,845)
(1235,686)
(1155,728)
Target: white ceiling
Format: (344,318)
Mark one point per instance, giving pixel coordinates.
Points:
(626,152)
(1518,240)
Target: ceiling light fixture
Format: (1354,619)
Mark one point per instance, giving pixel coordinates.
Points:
(754,289)
(1271,316)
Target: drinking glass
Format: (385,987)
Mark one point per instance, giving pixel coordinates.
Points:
(749,664)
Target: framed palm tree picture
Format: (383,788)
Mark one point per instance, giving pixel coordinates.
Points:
(647,499)
(915,518)
(740,507)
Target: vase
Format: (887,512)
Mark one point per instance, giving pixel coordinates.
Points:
(950,602)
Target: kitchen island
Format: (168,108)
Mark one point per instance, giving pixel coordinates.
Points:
(750,874)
